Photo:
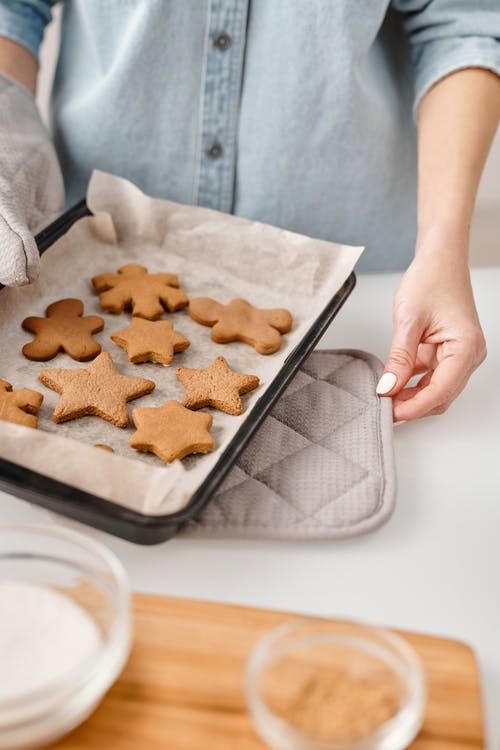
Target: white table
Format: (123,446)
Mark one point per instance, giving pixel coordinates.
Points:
(435,567)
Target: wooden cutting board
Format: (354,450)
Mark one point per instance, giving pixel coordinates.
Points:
(182,688)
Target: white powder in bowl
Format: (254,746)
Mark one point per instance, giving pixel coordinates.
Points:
(43,635)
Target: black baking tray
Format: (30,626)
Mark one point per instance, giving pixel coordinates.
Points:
(115,519)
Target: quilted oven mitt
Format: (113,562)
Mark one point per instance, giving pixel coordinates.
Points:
(31,183)
(321,466)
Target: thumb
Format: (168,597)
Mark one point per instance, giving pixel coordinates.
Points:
(400,364)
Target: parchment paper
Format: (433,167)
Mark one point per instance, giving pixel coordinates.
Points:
(214,255)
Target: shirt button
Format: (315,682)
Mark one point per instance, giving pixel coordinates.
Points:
(215,151)
(222,41)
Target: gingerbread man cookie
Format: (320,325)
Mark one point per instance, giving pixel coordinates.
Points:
(171,431)
(98,390)
(19,407)
(148,294)
(150,341)
(63,329)
(241,321)
(216,386)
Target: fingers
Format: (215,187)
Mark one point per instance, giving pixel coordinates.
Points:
(450,367)
(435,391)
(400,365)
(426,358)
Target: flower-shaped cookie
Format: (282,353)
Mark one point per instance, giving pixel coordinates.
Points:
(148,294)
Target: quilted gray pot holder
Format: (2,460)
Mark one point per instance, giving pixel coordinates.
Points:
(322,464)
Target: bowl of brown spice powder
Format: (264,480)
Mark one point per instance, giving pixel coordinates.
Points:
(321,685)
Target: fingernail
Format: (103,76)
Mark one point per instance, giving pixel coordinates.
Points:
(386,383)
(402,421)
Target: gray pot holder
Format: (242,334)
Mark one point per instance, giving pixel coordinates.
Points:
(322,464)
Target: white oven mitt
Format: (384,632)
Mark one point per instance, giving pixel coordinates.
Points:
(31,183)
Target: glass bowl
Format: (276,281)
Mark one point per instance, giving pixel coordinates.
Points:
(321,685)
(65,611)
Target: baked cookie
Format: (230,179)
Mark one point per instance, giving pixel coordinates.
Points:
(98,390)
(216,386)
(148,294)
(63,329)
(150,341)
(19,407)
(103,447)
(171,431)
(241,321)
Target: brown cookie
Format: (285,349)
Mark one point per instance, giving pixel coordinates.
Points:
(19,407)
(103,447)
(147,294)
(98,390)
(216,386)
(63,329)
(241,321)
(171,431)
(150,341)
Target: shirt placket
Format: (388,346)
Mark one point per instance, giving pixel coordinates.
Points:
(220,103)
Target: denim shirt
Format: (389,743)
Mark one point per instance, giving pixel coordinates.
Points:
(294,112)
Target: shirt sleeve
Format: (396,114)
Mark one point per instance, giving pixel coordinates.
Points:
(24,21)
(449,35)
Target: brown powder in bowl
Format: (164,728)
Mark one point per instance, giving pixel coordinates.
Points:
(342,702)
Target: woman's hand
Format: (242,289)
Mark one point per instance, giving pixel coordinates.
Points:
(436,329)
(436,332)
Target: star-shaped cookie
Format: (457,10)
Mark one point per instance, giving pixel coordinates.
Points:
(63,329)
(216,386)
(98,390)
(20,407)
(150,341)
(241,321)
(171,431)
(148,294)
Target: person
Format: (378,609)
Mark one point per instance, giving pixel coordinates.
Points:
(300,114)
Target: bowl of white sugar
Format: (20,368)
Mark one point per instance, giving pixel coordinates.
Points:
(65,631)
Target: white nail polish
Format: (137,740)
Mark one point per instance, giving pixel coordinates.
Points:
(386,383)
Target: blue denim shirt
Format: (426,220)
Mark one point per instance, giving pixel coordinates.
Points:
(296,113)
